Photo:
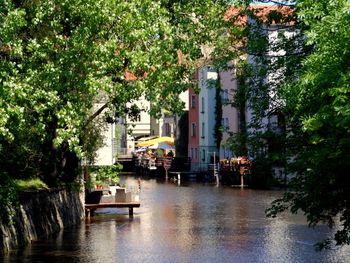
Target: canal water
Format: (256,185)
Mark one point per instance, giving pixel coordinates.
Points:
(190,222)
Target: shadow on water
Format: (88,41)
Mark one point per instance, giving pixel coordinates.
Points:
(186,222)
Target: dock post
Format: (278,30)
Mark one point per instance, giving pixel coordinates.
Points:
(88,214)
(178,178)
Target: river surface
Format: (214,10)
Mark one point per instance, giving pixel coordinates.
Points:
(190,222)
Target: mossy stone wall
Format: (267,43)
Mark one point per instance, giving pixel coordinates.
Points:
(39,214)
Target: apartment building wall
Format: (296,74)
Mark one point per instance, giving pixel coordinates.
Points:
(206,121)
(106,154)
(139,127)
(193,132)
(230,118)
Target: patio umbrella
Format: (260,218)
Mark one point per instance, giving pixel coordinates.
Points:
(161,145)
(166,139)
(142,149)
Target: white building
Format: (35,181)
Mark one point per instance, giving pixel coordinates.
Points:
(119,138)
(130,130)
(107,153)
(167,125)
(206,120)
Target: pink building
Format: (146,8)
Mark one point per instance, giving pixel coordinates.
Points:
(201,117)
(230,116)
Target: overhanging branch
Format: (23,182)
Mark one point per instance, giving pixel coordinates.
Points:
(96,113)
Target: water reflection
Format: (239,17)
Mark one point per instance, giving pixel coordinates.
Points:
(187,223)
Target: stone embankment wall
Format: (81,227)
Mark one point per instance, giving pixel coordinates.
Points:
(39,214)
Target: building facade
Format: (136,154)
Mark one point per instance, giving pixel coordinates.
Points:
(193,131)
(230,116)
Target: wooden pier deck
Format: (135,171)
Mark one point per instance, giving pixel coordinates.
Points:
(90,208)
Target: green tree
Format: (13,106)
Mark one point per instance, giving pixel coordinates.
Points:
(57,57)
(318,124)
(269,48)
(310,95)
(314,103)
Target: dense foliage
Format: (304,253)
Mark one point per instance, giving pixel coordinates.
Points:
(294,81)
(318,125)
(269,48)
(58,57)
(218,131)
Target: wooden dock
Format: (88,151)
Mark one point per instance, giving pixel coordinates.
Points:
(90,208)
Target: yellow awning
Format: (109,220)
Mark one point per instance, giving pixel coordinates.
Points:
(166,139)
(142,139)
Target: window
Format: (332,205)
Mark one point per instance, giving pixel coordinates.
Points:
(193,129)
(191,153)
(203,155)
(225,152)
(203,105)
(281,121)
(224,96)
(135,118)
(167,129)
(193,101)
(203,129)
(225,122)
(195,153)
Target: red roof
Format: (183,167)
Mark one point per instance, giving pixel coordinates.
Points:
(129,76)
(266,13)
